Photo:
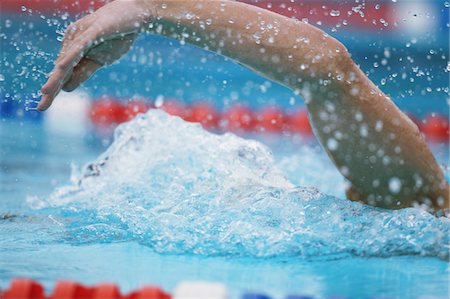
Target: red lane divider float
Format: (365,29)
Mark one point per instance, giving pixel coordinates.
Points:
(24,288)
(435,127)
(205,114)
(240,119)
(29,289)
(270,119)
(107,112)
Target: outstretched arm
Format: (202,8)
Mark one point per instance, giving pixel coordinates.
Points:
(373,144)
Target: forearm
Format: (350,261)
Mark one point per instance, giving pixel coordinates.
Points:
(377,147)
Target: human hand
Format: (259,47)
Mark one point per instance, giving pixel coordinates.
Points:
(94,41)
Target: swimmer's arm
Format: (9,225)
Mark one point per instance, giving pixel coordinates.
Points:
(364,133)
(373,144)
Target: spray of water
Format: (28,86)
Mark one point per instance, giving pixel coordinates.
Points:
(176,188)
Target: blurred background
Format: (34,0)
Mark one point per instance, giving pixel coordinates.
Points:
(402,45)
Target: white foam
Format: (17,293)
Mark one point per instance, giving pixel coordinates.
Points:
(177,188)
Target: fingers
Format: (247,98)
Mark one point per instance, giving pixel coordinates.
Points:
(82,72)
(51,89)
(70,45)
(63,69)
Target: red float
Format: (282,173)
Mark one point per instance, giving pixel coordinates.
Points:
(205,114)
(297,122)
(436,127)
(107,112)
(106,291)
(70,290)
(23,289)
(29,289)
(238,119)
(174,107)
(270,120)
(148,293)
(133,108)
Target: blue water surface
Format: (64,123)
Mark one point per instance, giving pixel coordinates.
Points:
(169,202)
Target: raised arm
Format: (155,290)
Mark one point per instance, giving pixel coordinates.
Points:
(373,144)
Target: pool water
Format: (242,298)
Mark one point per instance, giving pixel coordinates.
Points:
(267,215)
(92,235)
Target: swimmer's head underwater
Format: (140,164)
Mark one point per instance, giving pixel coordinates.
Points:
(388,164)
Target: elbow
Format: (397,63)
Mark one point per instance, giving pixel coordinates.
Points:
(340,63)
(329,61)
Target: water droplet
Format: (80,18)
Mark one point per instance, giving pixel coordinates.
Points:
(378,126)
(332,144)
(257,37)
(159,101)
(395,185)
(363,131)
(335,13)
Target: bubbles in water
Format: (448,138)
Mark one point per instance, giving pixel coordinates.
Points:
(176,188)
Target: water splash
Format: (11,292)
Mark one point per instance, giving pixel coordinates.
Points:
(174,187)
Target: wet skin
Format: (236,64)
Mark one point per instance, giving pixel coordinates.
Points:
(372,143)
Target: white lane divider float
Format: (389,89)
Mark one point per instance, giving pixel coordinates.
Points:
(200,290)
(68,114)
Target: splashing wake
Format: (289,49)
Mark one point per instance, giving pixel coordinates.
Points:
(179,189)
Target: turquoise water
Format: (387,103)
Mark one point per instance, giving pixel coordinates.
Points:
(169,202)
(176,188)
